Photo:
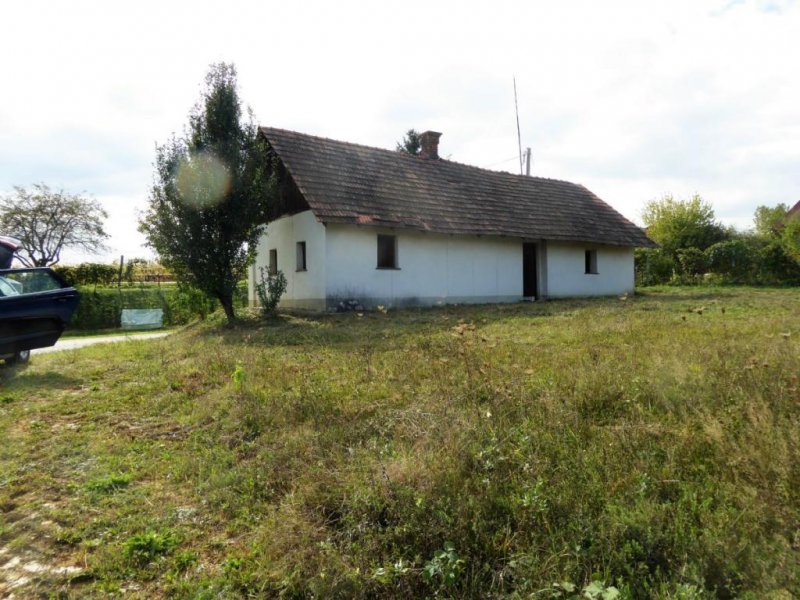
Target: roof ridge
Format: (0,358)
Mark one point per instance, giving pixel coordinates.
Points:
(345,181)
(407,156)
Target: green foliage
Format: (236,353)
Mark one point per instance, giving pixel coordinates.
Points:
(692,261)
(649,445)
(767,220)
(238,377)
(676,224)
(597,590)
(776,266)
(443,570)
(652,266)
(269,290)
(89,274)
(790,237)
(212,194)
(735,260)
(109,484)
(101,308)
(411,143)
(144,548)
(47,221)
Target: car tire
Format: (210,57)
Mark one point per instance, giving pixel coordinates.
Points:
(21,357)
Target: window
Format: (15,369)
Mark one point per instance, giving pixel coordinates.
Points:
(301,256)
(387,252)
(273,261)
(591,262)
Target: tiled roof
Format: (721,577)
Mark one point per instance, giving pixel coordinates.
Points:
(350,183)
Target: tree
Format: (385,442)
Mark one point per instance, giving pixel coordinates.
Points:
(411,143)
(790,237)
(677,224)
(47,221)
(212,192)
(767,219)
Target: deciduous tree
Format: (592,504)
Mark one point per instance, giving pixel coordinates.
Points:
(679,224)
(46,222)
(768,219)
(212,191)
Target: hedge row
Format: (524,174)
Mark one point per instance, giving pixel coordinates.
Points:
(100,308)
(744,260)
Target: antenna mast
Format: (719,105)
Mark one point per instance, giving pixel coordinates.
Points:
(519,136)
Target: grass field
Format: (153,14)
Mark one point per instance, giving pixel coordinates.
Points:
(650,444)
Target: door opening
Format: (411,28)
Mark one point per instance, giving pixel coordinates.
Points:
(529,284)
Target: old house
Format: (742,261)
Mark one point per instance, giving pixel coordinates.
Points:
(385,227)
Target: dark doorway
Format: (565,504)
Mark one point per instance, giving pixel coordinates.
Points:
(529,288)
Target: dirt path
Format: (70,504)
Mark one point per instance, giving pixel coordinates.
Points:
(73,343)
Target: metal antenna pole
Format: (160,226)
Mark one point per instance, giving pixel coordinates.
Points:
(519,136)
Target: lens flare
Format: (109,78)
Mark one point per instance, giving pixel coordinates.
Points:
(203,180)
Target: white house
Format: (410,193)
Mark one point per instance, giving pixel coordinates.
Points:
(385,227)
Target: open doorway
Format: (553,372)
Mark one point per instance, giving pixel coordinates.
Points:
(530,287)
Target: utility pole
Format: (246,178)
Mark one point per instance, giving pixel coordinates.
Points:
(528,161)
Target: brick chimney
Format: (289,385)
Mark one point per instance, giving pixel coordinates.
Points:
(429,145)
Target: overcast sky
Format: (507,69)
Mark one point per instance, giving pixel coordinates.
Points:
(633,99)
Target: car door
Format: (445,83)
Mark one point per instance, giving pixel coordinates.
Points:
(35,307)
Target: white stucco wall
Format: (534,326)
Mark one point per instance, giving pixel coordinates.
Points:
(341,263)
(566,265)
(433,268)
(305,289)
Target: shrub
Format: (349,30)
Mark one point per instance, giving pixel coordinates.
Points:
(692,261)
(269,290)
(776,266)
(652,266)
(735,260)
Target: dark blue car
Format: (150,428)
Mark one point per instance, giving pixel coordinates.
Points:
(35,307)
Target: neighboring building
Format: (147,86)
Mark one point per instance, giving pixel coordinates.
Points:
(385,227)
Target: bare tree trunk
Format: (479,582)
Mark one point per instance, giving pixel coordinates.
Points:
(227,306)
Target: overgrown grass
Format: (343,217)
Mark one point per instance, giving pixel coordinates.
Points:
(650,444)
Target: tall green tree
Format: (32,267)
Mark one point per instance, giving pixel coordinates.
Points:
(47,221)
(411,143)
(768,219)
(212,191)
(679,224)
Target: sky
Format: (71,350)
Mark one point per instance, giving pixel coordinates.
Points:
(633,99)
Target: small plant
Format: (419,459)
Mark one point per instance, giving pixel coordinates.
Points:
(145,547)
(184,560)
(443,570)
(269,290)
(109,484)
(596,590)
(238,377)
(386,574)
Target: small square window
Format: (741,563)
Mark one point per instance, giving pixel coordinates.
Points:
(273,261)
(387,252)
(591,262)
(301,256)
